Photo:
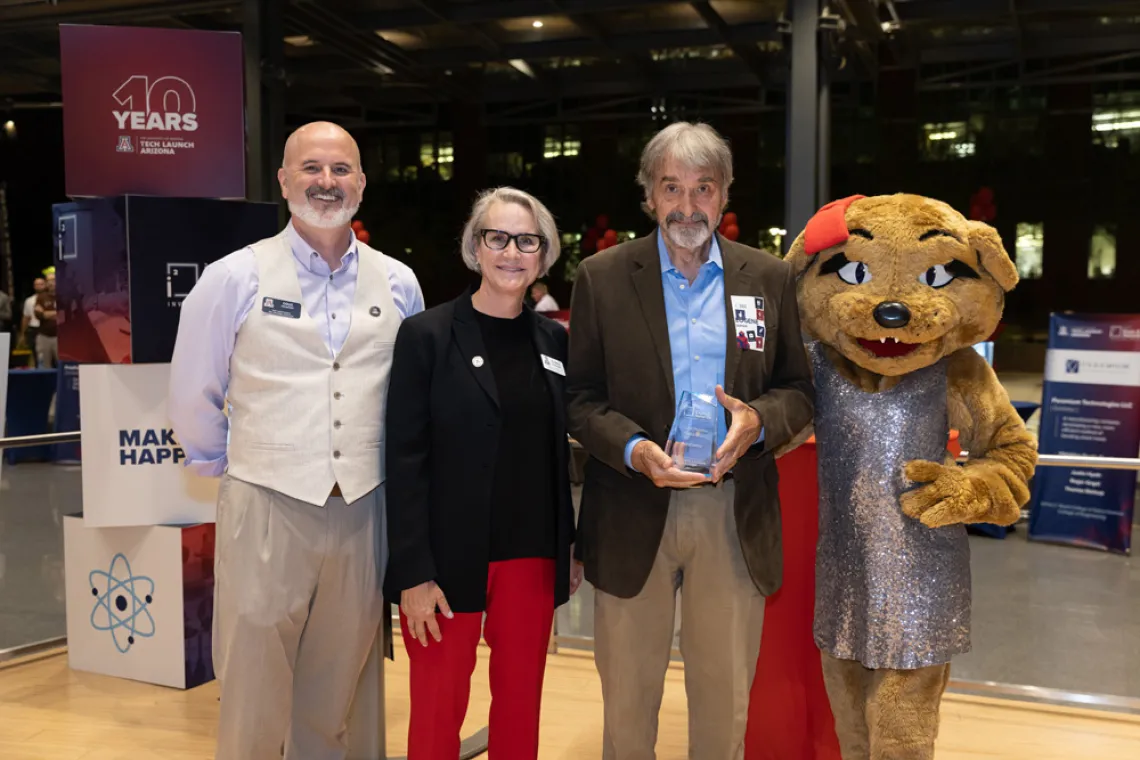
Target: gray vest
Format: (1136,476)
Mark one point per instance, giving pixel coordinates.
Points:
(890,592)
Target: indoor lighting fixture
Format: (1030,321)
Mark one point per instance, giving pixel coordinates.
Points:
(537,24)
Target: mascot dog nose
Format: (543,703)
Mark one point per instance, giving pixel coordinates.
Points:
(892,314)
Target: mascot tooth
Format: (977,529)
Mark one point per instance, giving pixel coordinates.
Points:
(894,291)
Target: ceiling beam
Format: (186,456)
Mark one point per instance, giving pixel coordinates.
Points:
(44,16)
(620,44)
(746,52)
(482,11)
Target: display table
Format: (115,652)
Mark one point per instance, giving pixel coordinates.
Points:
(29,400)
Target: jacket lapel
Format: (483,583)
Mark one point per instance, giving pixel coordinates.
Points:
(738,281)
(470,341)
(646,275)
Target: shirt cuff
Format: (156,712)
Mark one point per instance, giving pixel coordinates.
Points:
(629,450)
(208,468)
(760,439)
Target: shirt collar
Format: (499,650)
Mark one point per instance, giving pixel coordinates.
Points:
(667,263)
(307,256)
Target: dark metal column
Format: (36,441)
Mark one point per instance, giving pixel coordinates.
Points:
(803,117)
(263,41)
(823,154)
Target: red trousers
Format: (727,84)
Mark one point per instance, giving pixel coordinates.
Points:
(520,612)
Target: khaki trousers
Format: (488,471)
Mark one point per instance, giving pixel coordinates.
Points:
(722,615)
(297,605)
(884,714)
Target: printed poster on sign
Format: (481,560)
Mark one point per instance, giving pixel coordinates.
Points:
(1090,407)
(133,466)
(152,111)
(748,322)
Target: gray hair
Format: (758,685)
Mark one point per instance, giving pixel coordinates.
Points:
(469,245)
(696,146)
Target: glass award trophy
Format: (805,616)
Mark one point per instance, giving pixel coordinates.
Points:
(692,440)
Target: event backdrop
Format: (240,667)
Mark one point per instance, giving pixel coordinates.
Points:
(152,111)
(1092,408)
(125,264)
(133,467)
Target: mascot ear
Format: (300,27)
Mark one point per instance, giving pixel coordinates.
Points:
(986,241)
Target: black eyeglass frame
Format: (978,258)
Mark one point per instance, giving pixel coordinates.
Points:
(542,242)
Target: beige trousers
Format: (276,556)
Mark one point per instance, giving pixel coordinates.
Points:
(297,605)
(884,714)
(722,615)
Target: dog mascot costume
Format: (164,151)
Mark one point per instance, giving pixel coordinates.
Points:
(894,291)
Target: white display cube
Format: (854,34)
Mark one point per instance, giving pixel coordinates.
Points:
(140,601)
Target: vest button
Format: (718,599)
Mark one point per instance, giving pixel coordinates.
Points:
(336,395)
(336,424)
(336,365)
(336,455)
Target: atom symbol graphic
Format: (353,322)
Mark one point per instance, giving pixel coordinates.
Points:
(119,609)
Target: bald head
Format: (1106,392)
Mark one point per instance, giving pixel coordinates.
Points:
(321,177)
(316,135)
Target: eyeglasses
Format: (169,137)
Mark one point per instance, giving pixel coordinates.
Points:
(526,242)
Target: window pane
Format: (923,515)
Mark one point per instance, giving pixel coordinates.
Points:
(1102,252)
(1029,253)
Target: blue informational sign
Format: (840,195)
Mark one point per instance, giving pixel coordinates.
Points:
(1091,407)
(67,411)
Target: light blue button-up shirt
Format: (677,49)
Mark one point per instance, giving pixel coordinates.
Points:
(215,310)
(697,320)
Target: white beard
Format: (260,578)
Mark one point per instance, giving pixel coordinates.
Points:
(327,220)
(688,237)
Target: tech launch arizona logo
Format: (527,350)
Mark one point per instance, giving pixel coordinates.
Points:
(166,105)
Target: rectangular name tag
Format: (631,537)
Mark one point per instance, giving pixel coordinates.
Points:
(748,319)
(279,308)
(553,365)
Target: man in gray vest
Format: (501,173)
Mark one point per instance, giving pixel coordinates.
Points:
(295,333)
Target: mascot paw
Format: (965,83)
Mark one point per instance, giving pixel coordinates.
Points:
(948,498)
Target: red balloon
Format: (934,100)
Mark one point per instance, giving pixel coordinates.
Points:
(363,236)
(611,237)
(732,232)
(592,234)
(357,226)
(602,221)
(603,244)
(729,219)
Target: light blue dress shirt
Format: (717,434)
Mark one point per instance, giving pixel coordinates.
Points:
(215,310)
(698,331)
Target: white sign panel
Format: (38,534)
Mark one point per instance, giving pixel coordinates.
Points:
(125,601)
(133,467)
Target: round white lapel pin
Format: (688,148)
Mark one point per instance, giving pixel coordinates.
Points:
(477,361)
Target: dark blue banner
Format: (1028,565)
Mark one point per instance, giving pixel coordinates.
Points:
(1091,407)
(67,411)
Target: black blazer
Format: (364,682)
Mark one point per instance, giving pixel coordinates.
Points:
(442,431)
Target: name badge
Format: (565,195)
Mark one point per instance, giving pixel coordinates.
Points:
(553,365)
(748,322)
(279,308)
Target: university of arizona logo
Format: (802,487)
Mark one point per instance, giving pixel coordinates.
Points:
(125,145)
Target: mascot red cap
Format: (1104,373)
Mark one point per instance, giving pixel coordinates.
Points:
(829,226)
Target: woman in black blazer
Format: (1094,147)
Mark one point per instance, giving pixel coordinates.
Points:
(478,489)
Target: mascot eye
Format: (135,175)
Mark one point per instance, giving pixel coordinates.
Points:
(936,277)
(854,273)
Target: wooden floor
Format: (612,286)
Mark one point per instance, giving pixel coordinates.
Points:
(49,712)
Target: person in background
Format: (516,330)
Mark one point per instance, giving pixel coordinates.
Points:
(651,322)
(543,301)
(479,508)
(30,325)
(47,336)
(296,333)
